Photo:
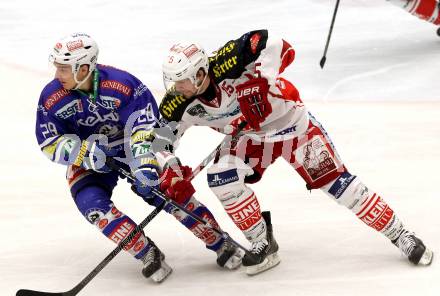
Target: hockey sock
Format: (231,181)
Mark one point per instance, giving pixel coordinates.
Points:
(96,206)
(205,233)
(377,214)
(245,212)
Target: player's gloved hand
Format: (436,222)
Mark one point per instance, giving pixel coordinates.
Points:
(92,155)
(176,185)
(252,97)
(144,168)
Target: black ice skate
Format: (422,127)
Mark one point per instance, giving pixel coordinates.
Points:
(264,252)
(229,256)
(413,248)
(155,266)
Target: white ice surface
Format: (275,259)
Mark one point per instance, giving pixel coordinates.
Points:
(377,97)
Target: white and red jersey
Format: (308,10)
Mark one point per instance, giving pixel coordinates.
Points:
(254,54)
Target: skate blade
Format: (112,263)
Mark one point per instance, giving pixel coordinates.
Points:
(271,261)
(427,257)
(162,273)
(235,261)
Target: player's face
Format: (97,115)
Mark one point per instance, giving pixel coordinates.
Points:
(65,76)
(186,87)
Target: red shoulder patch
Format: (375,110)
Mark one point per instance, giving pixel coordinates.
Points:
(55,98)
(255,39)
(117,86)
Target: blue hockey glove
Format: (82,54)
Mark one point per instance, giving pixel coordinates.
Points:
(144,168)
(92,155)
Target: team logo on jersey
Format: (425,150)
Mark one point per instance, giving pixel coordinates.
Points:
(69,110)
(92,120)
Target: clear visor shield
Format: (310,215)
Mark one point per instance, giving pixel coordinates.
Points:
(180,87)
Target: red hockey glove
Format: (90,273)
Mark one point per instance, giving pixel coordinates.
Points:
(252,97)
(175,184)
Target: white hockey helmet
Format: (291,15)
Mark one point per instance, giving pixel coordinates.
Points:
(76,50)
(183,61)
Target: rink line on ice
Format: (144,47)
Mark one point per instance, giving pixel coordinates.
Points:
(359,76)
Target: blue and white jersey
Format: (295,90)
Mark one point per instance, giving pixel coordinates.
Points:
(124,111)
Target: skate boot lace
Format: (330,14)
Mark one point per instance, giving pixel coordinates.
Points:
(407,243)
(149,257)
(259,246)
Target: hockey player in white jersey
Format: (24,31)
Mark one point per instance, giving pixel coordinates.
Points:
(240,82)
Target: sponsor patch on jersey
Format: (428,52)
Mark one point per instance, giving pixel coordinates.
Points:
(171,106)
(121,231)
(198,111)
(341,184)
(225,61)
(69,109)
(117,86)
(140,90)
(109,103)
(286,131)
(223,178)
(55,98)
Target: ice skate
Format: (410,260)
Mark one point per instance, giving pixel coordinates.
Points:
(264,253)
(413,248)
(229,256)
(155,266)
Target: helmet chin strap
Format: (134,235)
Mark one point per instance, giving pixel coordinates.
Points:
(79,83)
(199,88)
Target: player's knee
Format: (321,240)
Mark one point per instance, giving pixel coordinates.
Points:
(347,190)
(226,180)
(93,202)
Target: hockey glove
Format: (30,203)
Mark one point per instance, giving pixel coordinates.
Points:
(175,183)
(252,97)
(92,155)
(144,168)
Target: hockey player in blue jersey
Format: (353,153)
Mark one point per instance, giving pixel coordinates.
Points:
(90,112)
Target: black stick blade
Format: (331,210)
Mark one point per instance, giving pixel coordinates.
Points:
(23,292)
(322,62)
